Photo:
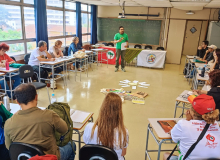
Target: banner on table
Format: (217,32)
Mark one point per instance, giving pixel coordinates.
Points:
(151,58)
(110,55)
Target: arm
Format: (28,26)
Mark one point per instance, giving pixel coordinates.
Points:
(44,59)
(124,150)
(205,55)
(126,45)
(213,66)
(8,141)
(48,55)
(59,124)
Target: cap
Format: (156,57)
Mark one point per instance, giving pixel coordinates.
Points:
(203,104)
(212,46)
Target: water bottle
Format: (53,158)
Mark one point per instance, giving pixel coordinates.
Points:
(53,98)
(6,102)
(194,59)
(7,65)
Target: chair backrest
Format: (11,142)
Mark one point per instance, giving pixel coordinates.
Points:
(65,51)
(105,43)
(26,58)
(23,151)
(148,47)
(90,152)
(111,44)
(160,48)
(26,71)
(13,58)
(137,46)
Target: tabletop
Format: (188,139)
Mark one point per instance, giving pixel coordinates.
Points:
(57,61)
(99,49)
(9,71)
(180,98)
(88,52)
(205,78)
(158,129)
(2,74)
(191,57)
(77,126)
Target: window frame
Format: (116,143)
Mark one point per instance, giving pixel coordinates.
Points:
(87,12)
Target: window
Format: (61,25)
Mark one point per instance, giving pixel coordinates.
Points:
(69,40)
(84,23)
(70,5)
(10,23)
(85,38)
(70,23)
(54,25)
(31,46)
(16,49)
(84,7)
(55,3)
(29,1)
(29,20)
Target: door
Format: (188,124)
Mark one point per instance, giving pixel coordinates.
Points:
(192,34)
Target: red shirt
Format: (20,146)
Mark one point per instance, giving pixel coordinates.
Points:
(5,57)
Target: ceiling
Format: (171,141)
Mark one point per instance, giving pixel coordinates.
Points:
(179,4)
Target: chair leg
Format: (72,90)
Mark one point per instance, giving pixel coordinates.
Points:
(48,95)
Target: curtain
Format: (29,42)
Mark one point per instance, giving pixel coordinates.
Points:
(94,24)
(78,22)
(40,13)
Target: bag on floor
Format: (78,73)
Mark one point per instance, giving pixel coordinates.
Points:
(63,110)
(185,69)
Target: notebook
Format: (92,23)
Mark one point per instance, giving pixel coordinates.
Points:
(79,116)
(167,125)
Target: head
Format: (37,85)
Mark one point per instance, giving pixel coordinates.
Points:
(26,95)
(214,78)
(203,108)
(58,44)
(217,54)
(212,48)
(205,44)
(75,40)
(110,118)
(3,48)
(121,30)
(42,45)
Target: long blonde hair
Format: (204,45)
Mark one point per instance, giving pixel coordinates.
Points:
(58,42)
(110,118)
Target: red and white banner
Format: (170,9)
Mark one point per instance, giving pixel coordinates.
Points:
(110,54)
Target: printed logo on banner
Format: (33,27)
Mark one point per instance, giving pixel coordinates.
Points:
(110,54)
(151,58)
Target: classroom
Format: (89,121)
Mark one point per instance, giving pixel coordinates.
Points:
(109,80)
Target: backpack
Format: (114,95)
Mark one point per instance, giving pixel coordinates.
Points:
(65,51)
(63,110)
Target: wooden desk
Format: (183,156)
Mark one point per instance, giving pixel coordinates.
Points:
(161,138)
(182,100)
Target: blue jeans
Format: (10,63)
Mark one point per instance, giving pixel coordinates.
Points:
(66,152)
(17,82)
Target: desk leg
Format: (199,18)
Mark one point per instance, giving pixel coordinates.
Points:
(183,110)
(159,148)
(5,85)
(53,76)
(79,140)
(80,68)
(64,75)
(10,86)
(87,66)
(148,127)
(177,103)
(39,74)
(75,70)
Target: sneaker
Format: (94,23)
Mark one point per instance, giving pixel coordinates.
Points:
(188,76)
(123,70)
(116,69)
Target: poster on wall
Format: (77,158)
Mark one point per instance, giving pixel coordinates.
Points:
(110,54)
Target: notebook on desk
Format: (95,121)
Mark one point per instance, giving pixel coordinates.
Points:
(79,116)
(167,125)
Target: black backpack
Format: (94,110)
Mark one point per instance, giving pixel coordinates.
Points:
(65,51)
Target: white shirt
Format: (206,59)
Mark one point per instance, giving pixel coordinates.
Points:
(87,139)
(33,61)
(187,132)
(52,49)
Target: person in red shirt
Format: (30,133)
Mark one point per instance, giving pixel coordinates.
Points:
(3,58)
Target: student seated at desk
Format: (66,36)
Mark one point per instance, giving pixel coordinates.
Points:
(209,54)
(202,49)
(74,47)
(109,129)
(214,80)
(187,131)
(38,55)
(34,126)
(3,58)
(216,64)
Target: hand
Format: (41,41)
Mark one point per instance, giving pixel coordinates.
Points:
(188,115)
(2,65)
(83,50)
(207,82)
(120,40)
(216,58)
(52,59)
(196,92)
(207,51)
(200,48)
(126,46)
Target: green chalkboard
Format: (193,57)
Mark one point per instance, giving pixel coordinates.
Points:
(139,31)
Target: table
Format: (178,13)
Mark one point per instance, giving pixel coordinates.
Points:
(76,126)
(90,57)
(162,136)
(10,73)
(70,60)
(85,61)
(182,99)
(151,58)
(52,65)
(100,52)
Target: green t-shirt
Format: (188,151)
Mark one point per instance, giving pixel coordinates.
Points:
(119,36)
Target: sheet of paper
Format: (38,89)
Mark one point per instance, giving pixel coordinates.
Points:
(134,87)
(123,82)
(123,46)
(135,81)
(126,86)
(79,116)
(143,86)
(126,81)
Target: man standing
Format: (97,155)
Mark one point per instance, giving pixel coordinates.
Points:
(120,38)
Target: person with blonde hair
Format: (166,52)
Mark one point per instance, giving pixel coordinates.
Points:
(109,129)
(55,51)
(187,131)
(74,47)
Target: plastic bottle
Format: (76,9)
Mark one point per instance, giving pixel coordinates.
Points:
(7,65)
(71,54)
(53,98)
(194,59)
(6,102)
